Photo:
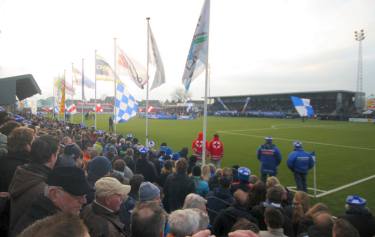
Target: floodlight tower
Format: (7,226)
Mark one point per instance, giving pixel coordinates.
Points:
(359,36)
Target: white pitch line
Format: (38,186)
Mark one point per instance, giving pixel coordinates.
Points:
(345,186)
(275,127)
(304,141)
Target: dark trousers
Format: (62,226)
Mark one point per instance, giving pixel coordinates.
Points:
(300,181)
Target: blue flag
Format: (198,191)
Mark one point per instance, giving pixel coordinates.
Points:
(303,106)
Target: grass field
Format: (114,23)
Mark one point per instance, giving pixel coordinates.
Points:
(345,151)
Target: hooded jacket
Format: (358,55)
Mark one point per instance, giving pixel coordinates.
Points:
(216,148)
(27,184)
(197,146)
(300,161)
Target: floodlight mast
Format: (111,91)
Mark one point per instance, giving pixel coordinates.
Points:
(359,36)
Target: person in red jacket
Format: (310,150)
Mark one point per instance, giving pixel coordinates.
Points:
(216,149)
(197,147)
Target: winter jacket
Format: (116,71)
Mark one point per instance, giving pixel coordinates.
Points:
(362,220)
(216,149)
(29,181)
(3,145)
(218,200)
(270,157)
(300,161)
(8,166)
(42,207)
(197,146)
(102,222)
(147,169)
(126,210)
(168,151)
(176,188)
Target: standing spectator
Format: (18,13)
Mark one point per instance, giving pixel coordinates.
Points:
(359,215)
(29,180)
(71,157)
(149,215)
(342,228)
(149,192)
(216,149)
(197,147)
(97,168)
(101,216)
(274,221)
(201,186)
(145,167)
(110,124)
(177,187)
(301,204)
(243,180)
(300,162)
(164,147)
(66,190)
(270,157)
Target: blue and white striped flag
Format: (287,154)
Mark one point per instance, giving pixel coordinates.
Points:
(126,106)
(303,106)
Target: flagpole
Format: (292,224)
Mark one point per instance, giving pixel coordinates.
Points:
(148,59)
(83,89)
(95,91)
(114,79)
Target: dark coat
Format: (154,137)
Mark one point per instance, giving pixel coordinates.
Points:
(176,188)
(42,207)
(218,200)
(147,169)
(228,217)
(27,184)
(362,220)
(8,166)
(101,222)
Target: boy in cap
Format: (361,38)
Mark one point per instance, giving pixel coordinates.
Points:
(101,216)
(300,162)
(243,183)
(65,192)
(359,215)
(270,157)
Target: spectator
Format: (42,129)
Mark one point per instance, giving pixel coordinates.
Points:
(257,194)
(270,157)
(59,225)
(97,168)
(300,162)
(149,192)
(150,215)
(208,171)
(120,168)
(322,227)
(201,186)
(166,149)
(307,220)
(145,167)
(177,187)
(186,222)
(8,127)
(342,228)
(359,215)
(193,200)
(101,216)
(243,180)
(29,180)
(244,224)
(165,172)
(274,221)
(66,190)
(216,149)
(71,157)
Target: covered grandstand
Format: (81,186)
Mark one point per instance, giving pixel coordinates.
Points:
(338,104)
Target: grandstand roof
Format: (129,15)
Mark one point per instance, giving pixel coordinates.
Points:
(288,93)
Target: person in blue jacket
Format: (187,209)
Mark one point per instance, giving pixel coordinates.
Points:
(270,157)
(300,162)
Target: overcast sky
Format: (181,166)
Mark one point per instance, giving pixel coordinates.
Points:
(256,46)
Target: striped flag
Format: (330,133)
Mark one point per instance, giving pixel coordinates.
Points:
(131,68)
(77,79)
(303,106)
(198,53)
(155,59)
(103,70)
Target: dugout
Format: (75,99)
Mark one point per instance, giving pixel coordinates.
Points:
(338,104)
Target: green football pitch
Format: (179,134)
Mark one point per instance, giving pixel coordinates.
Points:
(345,152)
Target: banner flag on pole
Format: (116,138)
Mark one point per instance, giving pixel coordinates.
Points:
(198,53)
(303,106)
(126,105)
(131,68)
(62,101)
(87,82)
(103,70)
(155,59)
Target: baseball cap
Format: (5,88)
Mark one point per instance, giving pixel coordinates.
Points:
(355,200)
(297,144)
(244,173)
(108,186)
(269,138)
(71,179)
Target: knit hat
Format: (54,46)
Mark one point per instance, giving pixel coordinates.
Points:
(356,200)
(72,149)
(71,179)
(244,173)
(108,186)
(148,191)
(297,144)
(99,166)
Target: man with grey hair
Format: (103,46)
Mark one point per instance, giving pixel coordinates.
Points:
(193,200)
(187,222)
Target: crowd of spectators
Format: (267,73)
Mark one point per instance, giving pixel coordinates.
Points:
(59,179)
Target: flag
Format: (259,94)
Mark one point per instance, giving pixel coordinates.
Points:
(303,106)
(62,100)
(98,108)
(77,79)
(72,109)
(150,108)
(131,68)
(126,106)
(155,59)
(198,53)
(103,70)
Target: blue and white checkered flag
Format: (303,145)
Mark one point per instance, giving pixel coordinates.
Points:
(126,106)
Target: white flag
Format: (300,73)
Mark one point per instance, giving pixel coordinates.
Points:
(198,53)
(155,59)
(131,68)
